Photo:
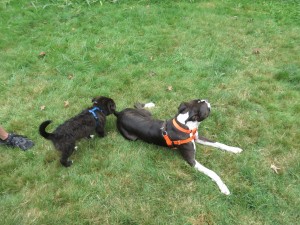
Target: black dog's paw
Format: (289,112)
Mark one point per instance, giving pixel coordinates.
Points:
(66,163)
(91,136)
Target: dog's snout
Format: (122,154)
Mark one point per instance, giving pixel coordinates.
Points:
(207,103)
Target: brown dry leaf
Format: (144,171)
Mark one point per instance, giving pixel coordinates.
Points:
(42,54)
(66,104)
(42,107)
(275,168)
(152,73)
(169,88)
(256,51)
(70,76)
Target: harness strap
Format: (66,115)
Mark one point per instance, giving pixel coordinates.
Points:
(171,143)
(188,131)
(93,112)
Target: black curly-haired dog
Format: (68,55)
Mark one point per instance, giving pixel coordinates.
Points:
(83,125)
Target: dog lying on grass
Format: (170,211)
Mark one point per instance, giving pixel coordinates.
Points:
(180,132)
(83,125)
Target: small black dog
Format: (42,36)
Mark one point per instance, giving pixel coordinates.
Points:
(81,126)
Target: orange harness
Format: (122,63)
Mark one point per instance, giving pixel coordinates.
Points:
(171,143)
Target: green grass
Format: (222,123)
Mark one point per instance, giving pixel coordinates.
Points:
(241,55)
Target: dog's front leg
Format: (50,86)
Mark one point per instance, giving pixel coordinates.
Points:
(100,131)
(205,141)
(223,188)
(188,153)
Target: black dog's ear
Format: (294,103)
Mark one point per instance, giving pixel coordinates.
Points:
(94,100)
(182,107)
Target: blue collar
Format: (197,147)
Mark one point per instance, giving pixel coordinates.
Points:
(93,112)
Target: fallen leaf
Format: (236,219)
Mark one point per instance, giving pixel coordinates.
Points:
(66,104)
(256,51)
(70,76)
(275,168)
(42,107)
(42,54)
(152,73)
(169,88)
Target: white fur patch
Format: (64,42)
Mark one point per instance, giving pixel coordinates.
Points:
(182,117)
(192,124)
(149,105)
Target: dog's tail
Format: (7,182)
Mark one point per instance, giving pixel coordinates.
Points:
(43,131)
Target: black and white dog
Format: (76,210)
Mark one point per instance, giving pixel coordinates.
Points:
(180,132)
(89,121)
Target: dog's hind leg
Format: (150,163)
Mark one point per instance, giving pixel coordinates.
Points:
(126,134)
(189,155)
(65,154)
(205,141)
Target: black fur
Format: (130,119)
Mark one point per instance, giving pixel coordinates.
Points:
(78,127)
(138,123)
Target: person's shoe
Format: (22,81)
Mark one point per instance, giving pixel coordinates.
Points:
(15,140)
(2,142)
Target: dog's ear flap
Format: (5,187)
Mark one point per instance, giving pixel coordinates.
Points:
(94,100)
(182,107)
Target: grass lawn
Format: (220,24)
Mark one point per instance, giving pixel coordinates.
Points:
(241,55)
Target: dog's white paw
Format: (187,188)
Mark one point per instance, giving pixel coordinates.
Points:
(92,136)
(225,190)
(231,149)
(236,150)
(76,147)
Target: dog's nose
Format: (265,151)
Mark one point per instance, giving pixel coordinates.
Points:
(208,105)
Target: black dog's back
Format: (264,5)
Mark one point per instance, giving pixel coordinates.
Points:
(130,121)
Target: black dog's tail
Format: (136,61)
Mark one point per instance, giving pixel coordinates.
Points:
(43,131)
